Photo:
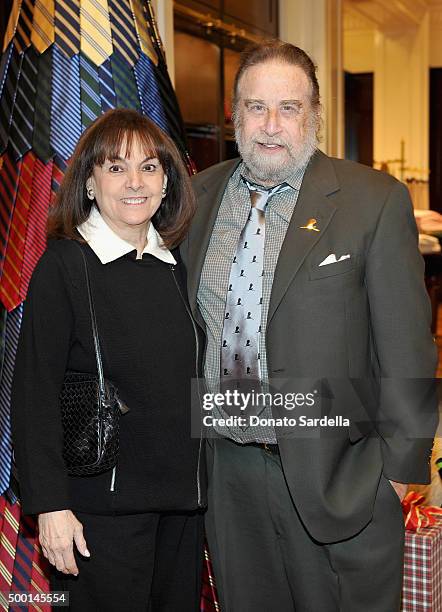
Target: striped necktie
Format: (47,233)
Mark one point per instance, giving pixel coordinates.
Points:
(96,36)
(35,244)
(13,322)
(148,91)
(9,522)
(8,94)
(90,92)
(20,133)
(19,25)
(41,138)
(124,34)
(42,35)
(12,269)
(65,103)
(9,174)
(67,26)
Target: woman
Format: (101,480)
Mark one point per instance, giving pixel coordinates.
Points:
(131,537)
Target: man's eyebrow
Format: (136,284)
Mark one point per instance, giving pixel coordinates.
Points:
(257,100)
(297,102)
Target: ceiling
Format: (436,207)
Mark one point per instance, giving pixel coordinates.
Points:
(388,14)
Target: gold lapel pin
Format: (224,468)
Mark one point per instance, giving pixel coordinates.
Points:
(311,225)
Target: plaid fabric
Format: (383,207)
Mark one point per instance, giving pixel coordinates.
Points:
(422,587)
(212,292)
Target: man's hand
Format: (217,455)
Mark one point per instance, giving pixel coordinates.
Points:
(58,531)
(400,488)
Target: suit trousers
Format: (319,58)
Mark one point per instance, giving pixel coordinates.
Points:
(265,560)
(149,561)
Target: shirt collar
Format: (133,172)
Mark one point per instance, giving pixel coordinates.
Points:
(107,246)
(282,206)
(294,180)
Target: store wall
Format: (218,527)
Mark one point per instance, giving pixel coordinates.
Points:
(316,27)
(400,60)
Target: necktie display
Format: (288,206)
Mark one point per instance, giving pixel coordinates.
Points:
(240,359)
(63,64)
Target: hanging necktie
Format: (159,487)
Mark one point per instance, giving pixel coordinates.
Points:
(149,92)
(13,322)
(107,88)
(7,98)
(124,84)
(10,280)
(20,25)
(66,125)
(90,91)
(42,34)
(67,26)
(124,34)
(10,520)
(96,37)
(144,39)
(21,128)
(240,359)
(9,174)
(35,242)
(41,138)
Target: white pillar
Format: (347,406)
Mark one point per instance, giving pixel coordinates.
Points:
(316,27)
(401,104)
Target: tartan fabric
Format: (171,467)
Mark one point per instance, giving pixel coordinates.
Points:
(422,586)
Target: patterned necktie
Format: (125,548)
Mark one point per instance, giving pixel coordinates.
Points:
(13,322)
(67,26)
(42,33)
(96,35)
(240,359)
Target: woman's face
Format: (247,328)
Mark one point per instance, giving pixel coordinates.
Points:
(128,191)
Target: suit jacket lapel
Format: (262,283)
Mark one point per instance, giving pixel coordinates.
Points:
(319,182)
(209,195)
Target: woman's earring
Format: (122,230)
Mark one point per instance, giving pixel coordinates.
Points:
(163,191)
(90,193)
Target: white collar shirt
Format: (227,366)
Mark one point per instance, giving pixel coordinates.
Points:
(108,246)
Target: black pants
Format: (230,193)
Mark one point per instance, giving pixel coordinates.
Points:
(138,562)
(264,559)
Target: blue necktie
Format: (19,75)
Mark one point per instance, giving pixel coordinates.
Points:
(13,322)
(148,91)
(66,125)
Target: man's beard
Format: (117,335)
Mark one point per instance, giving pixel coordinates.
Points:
(267,171)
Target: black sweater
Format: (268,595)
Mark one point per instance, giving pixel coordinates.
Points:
(148,348)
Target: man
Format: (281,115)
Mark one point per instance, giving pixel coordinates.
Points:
(305,274)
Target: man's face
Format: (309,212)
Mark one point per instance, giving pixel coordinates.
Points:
(275,125)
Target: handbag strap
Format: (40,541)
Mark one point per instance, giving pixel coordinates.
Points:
(94,325)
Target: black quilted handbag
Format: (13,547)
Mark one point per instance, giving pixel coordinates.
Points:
(90,412)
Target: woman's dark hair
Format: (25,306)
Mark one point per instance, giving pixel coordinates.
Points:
(276,50)
(104,139)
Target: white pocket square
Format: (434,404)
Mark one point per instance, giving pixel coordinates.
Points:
(331,259)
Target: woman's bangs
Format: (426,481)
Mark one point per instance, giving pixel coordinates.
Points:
(118,143)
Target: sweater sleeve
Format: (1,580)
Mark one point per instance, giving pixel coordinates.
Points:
(41,360)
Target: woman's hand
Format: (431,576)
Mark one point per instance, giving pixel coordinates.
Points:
(58,531)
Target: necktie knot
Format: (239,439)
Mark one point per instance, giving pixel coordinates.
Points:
(258,199)
(259,196)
